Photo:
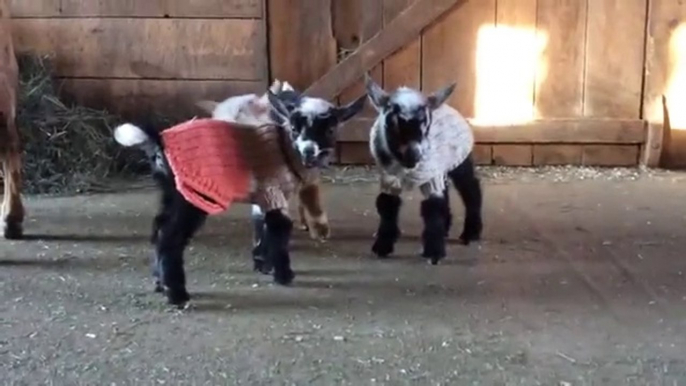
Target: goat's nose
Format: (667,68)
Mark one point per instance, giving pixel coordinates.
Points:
(308,152)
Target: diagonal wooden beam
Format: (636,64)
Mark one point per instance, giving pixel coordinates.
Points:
(399,32)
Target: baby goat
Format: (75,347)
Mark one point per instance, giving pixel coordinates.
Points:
(308,120)
(255,110)
(416,141)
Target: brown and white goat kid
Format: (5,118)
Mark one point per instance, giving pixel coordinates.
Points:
(417,141)
(10,141)
(255,110)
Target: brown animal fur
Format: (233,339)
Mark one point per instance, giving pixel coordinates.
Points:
(10,143)
(312,215)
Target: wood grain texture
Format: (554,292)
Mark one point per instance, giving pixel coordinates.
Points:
(355,153)
(560,83)
(483,154)
(403,68)
(138,8)
(512,155)
(507,57)
(665,75)
(400,31)
(548,155)
(565,131)
(614,58)
(449,52)
(610,155)
(302,47)
(134,98)
(148,48)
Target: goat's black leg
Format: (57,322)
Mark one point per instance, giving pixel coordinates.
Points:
(163,215)
(260,261)
(388,208)
(467,184)
(433,237)
(175,235)
(276,243)
(448,211)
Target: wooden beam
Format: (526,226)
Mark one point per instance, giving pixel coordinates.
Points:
(575,130)
(399,32)
(548,131)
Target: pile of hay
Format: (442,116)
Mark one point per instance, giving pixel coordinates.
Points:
(67,148)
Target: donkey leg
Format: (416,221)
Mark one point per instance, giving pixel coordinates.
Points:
(468,186)
(12,206)
(175,236)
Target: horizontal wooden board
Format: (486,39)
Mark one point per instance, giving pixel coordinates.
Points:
(557,154)
(512,155)
(483,154)
(575,130)
(148,48)
(609,155)
(134,98)
(137,8)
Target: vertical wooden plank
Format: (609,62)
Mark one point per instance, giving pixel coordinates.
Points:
(404,67)
(370,14)
(666,75)
(614,58)
(559,84)
(449,51)
(301,47)
(507,56)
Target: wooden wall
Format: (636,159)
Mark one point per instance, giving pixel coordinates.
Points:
(543,81)
(135,56)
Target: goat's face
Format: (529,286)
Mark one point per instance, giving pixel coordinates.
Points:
(312,124)
(406,115)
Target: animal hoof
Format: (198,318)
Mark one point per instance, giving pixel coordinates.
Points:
(178,297)
(158,287)
(284,277)
(435,254)
(320,231)
(262,266)
(13,231)
(382,249)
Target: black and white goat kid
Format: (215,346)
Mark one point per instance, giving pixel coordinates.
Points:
(419,141)
(310,121)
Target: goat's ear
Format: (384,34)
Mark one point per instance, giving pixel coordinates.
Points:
(287,86)
(376,94)
(439,97)
(351,109)
(278,106)
(276,86)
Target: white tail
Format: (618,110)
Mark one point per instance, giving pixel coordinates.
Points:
(130,135)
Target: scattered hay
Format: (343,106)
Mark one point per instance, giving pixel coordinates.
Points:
(67,148)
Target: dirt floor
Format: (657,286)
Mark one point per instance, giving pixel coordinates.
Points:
(579,280)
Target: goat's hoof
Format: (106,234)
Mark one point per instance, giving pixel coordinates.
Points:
(284,277)
(178,297)
(468,237)
(434,254)
(159,288)
(262,266)
(382,248)
(13,231)
(320,231)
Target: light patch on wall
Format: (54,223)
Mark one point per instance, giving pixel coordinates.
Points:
(508,60)
(675,89)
